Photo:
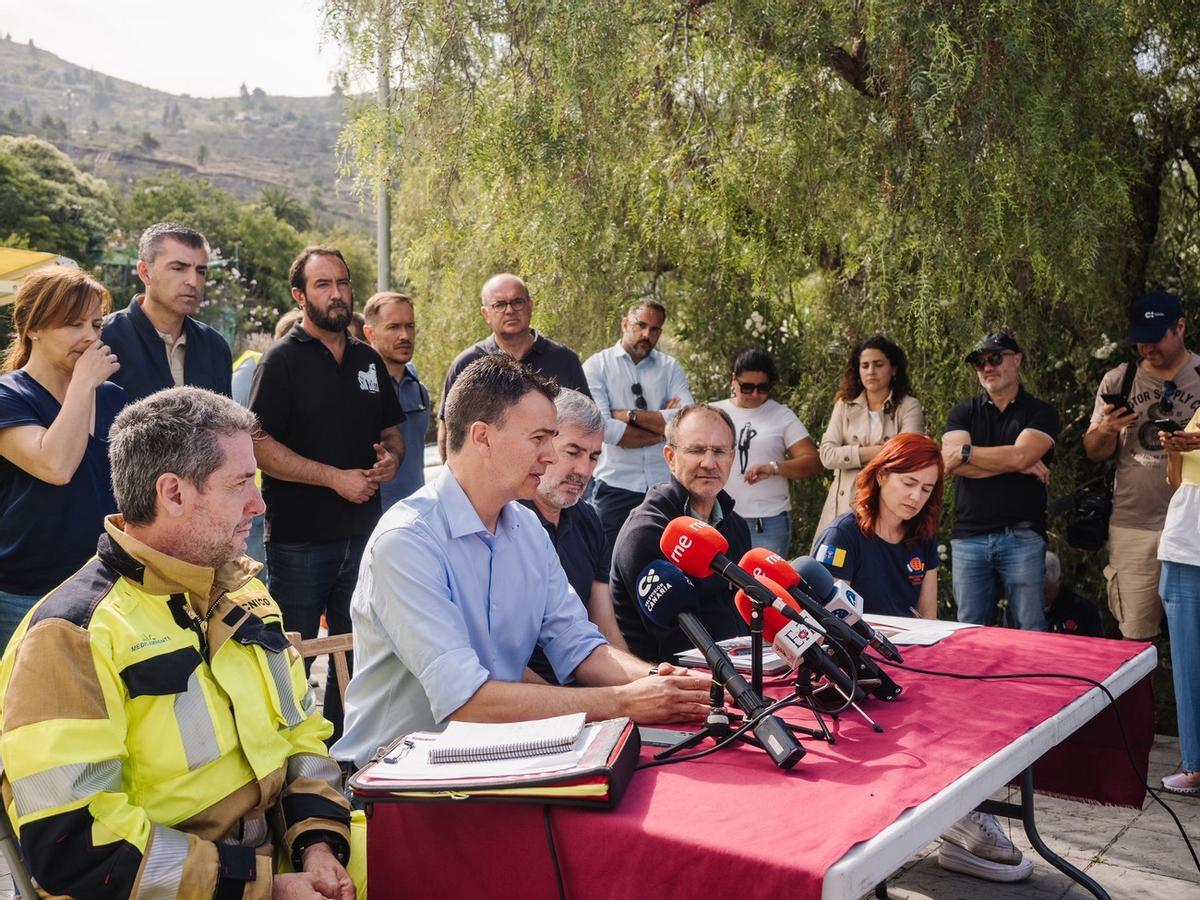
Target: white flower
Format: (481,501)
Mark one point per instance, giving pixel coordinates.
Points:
(1106,349)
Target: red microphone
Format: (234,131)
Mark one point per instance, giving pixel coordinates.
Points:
(699,549)
(795,642)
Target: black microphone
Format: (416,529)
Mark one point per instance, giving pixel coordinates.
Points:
(667,598)
(818,580)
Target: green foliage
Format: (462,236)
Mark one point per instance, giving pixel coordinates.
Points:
(48,204)
(927,170)
(285,207)
(253,291)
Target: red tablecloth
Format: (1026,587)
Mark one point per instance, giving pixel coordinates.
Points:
(733,823)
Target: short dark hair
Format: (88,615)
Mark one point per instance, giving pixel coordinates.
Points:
(152,239)
(754,359)
(485,391)
(649,302)
(851,383)
(296,271)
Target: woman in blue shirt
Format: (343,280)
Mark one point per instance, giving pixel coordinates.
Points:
(56,406)
(886,546)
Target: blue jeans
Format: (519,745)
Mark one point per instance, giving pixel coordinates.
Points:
(774,533)
(255,548)
(12,610)
(310,580)
(1013,559)
(1179,587)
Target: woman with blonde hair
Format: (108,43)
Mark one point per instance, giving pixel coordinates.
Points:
(873,403)
(56,406)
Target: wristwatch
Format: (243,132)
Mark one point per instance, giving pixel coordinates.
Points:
(633,417)
(775,467)
(966,453)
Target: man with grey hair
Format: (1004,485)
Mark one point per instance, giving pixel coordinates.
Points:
(574,527)
(1067,611)
(507,307)
(158,341)
(159,733)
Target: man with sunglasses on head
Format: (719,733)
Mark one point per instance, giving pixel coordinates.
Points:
(699,452)
(638,389)
(507,307)
(1165,385)
(999,445)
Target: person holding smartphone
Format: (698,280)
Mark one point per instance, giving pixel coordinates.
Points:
(1127,420)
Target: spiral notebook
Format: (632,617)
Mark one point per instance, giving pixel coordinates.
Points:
(482,741)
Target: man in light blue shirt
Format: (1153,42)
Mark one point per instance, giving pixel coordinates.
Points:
(391,328)
(638,389)
(459,583)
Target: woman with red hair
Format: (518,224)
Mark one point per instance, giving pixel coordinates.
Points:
(886,545)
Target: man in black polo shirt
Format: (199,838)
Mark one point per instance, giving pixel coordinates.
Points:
(508,310)
(1000,445)
(574,527)
(329,439)
(699,452)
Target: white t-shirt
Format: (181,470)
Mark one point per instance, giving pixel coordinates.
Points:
(761,436)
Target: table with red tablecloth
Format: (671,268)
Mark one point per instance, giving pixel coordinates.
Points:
(846,816)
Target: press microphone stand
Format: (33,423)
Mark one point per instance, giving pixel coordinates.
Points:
(717,726)
(756,677)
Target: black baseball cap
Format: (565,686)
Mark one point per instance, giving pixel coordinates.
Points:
(997,340)
(1150,315)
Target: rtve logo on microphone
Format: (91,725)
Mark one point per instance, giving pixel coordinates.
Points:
(684,543)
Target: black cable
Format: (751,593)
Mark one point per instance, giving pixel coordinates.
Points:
(558,878)
(723,742)
(1112,701)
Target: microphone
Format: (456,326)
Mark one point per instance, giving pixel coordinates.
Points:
(795,642)
(761,562)
(667,598)
(699,549)
(840,599)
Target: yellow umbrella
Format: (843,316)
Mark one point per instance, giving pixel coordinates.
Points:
(16,264)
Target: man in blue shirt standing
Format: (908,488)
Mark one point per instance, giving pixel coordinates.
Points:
(638,389)
(158,341)
(460,582)
(391,328)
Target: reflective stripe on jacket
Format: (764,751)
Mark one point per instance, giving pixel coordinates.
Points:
(158,732)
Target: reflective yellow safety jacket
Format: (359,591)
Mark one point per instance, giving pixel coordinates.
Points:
(158,733)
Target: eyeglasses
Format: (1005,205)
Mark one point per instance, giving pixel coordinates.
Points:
(995,358)
(1167,401)
(503,305)
(639,399)
(699,451)
(749,387)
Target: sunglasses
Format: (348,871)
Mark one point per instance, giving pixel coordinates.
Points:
(639,400)
(995,358)
(747,387)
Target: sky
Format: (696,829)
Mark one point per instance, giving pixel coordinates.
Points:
(206,49)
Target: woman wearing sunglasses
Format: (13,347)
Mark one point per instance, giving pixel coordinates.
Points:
(872,404)
(56,405)
(773,447)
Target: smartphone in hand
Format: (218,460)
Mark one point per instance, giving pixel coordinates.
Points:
(1169,425)
(1117,400)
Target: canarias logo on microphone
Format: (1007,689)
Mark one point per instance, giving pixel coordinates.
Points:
(648,581)
(651,588)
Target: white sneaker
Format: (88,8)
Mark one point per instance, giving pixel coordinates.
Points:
(980,834)
(956,859)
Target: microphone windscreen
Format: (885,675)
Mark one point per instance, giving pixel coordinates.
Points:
(663,592)
(816,577)
(759,561)
(772,619)
(691,545)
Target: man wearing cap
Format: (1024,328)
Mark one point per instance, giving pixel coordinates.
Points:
(999,445)
(1166,385)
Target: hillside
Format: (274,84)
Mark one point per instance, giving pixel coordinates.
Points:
(122,131)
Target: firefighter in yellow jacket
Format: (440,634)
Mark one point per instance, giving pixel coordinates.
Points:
(158,734)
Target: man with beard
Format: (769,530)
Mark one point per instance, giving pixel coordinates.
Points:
(155,337)
(329,439)
(391,328)
(1164,384)
(574,527)
(638,390)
